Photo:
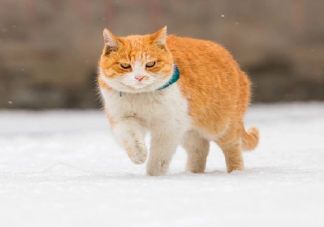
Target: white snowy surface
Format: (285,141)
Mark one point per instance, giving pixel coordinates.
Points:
(62,168)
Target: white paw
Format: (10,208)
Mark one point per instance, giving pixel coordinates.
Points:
(157,168)
(136,151)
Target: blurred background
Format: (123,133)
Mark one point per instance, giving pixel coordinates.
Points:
(49,49)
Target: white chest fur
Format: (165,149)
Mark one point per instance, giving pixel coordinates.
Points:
(165,106)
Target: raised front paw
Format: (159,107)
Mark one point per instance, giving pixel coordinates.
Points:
(136,151)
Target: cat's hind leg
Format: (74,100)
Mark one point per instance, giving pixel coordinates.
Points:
(230,144)
(233,156)
(197,148)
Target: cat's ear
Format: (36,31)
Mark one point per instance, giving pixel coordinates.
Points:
(159,37)
(111,41)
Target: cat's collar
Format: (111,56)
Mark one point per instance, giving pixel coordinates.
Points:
(174,78)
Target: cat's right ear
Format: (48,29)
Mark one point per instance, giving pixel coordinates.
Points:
(159,37)
(111,41)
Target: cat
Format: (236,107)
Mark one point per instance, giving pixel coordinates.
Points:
(183,91)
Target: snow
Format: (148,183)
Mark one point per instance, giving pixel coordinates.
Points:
(62,168)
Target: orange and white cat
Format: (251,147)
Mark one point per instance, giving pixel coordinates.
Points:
(207,103)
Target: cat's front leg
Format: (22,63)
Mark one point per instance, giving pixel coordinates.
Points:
(164,142)
(130,134)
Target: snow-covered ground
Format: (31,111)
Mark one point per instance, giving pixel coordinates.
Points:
(62,168)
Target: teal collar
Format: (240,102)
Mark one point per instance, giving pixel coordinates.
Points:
(175,77)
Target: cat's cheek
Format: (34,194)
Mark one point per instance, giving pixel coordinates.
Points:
(110,82)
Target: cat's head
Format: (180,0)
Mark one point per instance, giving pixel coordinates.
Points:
(136,63)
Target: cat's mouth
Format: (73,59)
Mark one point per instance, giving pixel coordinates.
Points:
(136,86)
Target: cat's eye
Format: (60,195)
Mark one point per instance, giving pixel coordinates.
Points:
(150,64)
(125,65)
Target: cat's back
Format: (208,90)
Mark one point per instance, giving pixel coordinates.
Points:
(197,51)
(204,62)
(207,65)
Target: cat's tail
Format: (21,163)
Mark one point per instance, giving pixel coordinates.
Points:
(250,139)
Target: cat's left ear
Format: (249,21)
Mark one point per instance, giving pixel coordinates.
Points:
(111,41)
(159,37)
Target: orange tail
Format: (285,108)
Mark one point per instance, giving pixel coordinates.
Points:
(250,139)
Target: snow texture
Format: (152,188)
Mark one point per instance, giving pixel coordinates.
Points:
(62,168)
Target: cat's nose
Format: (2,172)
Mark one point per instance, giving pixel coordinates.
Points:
(139,78)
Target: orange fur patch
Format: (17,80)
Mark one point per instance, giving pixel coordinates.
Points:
(217,90)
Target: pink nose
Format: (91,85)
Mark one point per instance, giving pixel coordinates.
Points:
(139,78)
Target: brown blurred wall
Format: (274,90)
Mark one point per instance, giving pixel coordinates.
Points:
(49,49)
